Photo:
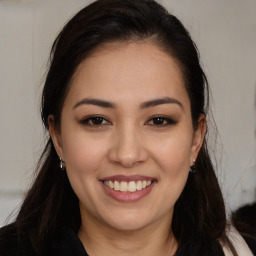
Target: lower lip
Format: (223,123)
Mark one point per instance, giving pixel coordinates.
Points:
(128,196)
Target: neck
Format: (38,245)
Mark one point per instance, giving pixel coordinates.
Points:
(99,239)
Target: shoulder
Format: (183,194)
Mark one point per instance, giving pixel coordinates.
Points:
(13,244)
(8,240)
(238,242)
(245,222)
(65,243)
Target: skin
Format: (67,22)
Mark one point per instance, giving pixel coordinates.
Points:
(128,141)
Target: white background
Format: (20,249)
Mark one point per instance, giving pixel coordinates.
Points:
(225,32)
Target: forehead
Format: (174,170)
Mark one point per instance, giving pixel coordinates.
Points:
(128,71)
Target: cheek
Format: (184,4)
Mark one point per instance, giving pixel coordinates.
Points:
(84,157)
(173,152)
(174,161)
(83,153)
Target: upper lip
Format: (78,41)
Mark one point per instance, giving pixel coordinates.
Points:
(128,178)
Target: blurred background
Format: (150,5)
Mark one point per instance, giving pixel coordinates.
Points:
(225,33)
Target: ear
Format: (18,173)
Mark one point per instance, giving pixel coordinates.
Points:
(198,138)
(55,136)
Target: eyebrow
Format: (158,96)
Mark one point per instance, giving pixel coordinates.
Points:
(161,101)
(96,102)
(146,104)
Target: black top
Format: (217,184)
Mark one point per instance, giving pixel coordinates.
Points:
(66,243)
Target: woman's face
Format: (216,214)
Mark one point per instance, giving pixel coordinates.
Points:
(126,135)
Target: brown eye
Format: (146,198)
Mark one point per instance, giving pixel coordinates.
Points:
(161,121)
(95,121)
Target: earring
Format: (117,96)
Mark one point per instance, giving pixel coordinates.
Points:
(193,167)
(62,164)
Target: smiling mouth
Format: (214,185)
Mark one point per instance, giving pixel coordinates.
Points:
(128,189)
(131,186)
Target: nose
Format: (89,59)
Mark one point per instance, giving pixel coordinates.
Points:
(128,148)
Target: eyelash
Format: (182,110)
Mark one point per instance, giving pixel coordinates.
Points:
(102,121)
(164,121)
(90,119)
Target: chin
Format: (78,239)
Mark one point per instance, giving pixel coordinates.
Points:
(128,221)
(128,226)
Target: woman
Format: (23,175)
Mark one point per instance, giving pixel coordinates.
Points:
(126,169)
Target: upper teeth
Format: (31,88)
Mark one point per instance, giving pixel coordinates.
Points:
(124,186)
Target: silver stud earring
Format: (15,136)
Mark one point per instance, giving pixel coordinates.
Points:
(193,167)
(62,164)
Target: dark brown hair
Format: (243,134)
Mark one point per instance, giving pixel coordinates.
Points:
(199,219)
(244,221)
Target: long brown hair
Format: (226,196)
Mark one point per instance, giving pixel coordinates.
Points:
(199,219)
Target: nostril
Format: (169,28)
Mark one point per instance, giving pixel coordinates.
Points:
(127,158)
